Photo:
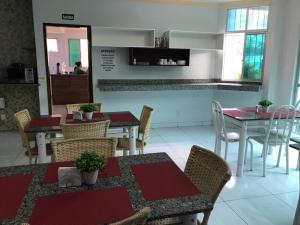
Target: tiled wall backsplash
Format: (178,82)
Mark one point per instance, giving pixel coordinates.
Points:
(17,46)
(18,97)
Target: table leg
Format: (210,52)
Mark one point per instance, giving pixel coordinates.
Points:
(132,140)
(189,219)
(240,162)
(41,145)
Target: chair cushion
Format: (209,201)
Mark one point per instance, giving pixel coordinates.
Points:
(273,139)
(123,143)
(295,137)
(231,136)
(34,150)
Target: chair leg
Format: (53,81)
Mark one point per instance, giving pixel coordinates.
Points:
(246,151)
(205,219)
(298,161)
(251,156)
(287,158)
(265,153)
(279,156)
(226,150)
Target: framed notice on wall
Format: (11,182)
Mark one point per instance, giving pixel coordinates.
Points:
(108,59)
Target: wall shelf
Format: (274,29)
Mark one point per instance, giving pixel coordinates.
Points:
(151,56)
(122,37)
(194,40)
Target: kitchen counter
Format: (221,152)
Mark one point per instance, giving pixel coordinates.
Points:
(174,84)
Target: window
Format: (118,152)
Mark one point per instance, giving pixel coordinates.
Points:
(244,43)
(52,45)
(78,51)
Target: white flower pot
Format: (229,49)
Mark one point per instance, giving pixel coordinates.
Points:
(90,177)
(89,115)
(264,108)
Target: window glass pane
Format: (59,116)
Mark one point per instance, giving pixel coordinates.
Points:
(84,52)
(258,18)
(254,56)
(74,51)
(52,45)
(236,19)
(233,56)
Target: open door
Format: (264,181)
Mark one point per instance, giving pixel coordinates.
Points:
(68,65)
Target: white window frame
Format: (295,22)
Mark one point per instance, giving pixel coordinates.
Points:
(257,31)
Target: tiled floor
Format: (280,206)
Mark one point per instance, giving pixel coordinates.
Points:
(252,199)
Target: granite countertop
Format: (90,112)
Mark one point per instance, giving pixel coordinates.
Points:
(160,208)
(174,84)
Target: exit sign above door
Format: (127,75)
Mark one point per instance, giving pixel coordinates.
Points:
(65,16)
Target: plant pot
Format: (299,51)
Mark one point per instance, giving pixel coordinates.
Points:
(264,108)
(90,178)
(89,115)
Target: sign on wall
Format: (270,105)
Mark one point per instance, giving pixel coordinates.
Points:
(108,59)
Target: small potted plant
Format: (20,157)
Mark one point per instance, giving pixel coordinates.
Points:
(88,110)
(90,163)
(265,103)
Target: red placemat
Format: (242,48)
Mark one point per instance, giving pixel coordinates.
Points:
(248,109)
(44,122)
(236,113)
(112,169)
(122,117)
(12,192)
(163,180)
(93,207)
(97,116)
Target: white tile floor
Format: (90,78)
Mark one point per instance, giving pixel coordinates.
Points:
(251,200)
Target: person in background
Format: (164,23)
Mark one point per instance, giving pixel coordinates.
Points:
(78,68)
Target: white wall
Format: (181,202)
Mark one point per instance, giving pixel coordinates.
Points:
(172,107)
(288,52)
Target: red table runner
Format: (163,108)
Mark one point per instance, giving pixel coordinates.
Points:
(122,117)
(97,116)
(12,192)
(112,169)
(163,180)
(93,207)
(44,122)
(236,113)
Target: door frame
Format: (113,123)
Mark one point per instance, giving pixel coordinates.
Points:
(89,38)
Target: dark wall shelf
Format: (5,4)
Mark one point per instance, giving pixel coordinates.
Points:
(151,56)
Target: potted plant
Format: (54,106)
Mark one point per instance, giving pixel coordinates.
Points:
(88,110)
(265,103)
(90,163)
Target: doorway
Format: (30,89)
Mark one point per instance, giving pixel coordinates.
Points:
(68,65)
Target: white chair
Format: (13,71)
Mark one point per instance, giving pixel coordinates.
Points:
(295,135)
(220,129)
(277,134)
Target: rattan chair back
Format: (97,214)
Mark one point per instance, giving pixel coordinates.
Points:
(22,119)
(85,130)
(71,149)
(208,171)
(145,123)
(76,107)
(139,218)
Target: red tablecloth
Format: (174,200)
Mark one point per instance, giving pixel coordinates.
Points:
(97,116)
(44,122)
(163,180)
(83,208)
(12,192)
(236,113)
(112,169)
(122,117)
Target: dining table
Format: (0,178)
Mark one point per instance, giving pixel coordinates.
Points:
(245,118)
(51,124)
(31,194)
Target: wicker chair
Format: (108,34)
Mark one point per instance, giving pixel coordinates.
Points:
(85,130)
(76,107)
(23,119)
(209,172)
(143,133)
(71,149)
(139,218)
